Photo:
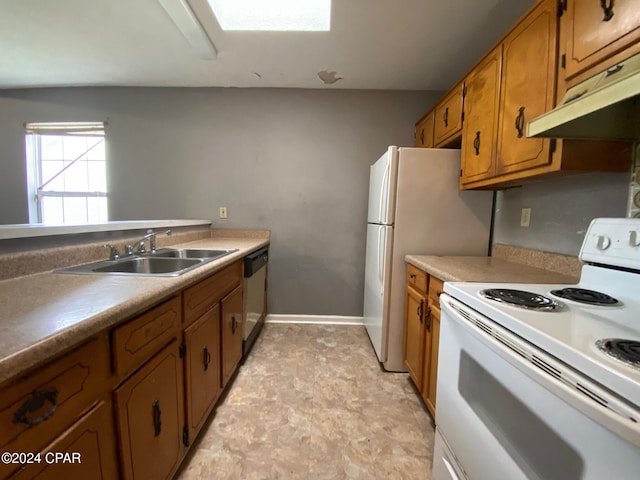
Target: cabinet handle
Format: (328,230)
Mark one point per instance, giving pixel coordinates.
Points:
(422,137)
(420,310)
(234,325)
(35,403)
(520,122)
(206,357)
(427,319)
(157,422)
(607,8)
(476,143)
(445,117)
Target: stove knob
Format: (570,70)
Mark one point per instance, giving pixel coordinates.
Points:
(603,242)
(634,238)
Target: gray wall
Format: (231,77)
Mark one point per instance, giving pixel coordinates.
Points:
(292,161)
(561,210)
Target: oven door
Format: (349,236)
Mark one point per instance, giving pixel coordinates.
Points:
(503,417)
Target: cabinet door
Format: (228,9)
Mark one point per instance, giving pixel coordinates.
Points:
(202,368)
(415,304)
(594,35)
(424,131)
(481,119)
(231,333)
(528,89)
(150,413)
(90,449)
(448,117)
(431,359)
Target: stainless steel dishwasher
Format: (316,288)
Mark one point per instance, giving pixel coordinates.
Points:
(255,301)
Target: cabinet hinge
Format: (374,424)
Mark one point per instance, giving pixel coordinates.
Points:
(462,116)
(562,7)
(552,145)
(464,91)
(185,436)
(182,350)
(563,61)
(461,172)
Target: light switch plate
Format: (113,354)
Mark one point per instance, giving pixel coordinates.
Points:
(525,217)
(223,212)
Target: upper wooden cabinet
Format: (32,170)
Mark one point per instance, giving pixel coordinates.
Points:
(597,30)
(527,89)
(423,134)
(448,117)
(481,119)
(513,84)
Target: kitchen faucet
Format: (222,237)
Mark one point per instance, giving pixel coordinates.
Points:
(151,235)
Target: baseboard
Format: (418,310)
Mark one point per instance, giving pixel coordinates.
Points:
(315,319)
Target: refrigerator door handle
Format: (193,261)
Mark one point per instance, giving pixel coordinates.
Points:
(381,259)
(384,195)
(379,245)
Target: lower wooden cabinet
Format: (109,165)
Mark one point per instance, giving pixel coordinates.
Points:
(88,450)
(117,401)
(415,302)
(422,333)
(231,333)
(150,418)
(202,368)
(430,371)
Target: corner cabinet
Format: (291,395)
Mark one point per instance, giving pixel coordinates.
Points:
(422,333)
(423,133)
(513,84)
(448,117)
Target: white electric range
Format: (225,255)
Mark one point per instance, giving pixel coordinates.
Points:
(542,381)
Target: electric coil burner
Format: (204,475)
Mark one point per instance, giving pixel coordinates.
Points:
(627,351)
(520,298)
(582,295)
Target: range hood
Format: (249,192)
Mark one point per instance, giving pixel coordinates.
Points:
(606,106)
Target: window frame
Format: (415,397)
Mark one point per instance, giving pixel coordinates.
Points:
(34,168)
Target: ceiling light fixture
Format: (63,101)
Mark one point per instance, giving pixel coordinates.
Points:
(188,24)
(273,15)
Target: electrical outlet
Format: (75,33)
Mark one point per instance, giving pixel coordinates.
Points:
(223,212)
(525,217)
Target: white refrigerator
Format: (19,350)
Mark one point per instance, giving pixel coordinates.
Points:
(415,207)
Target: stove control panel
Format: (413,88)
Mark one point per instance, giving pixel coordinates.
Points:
(612,241)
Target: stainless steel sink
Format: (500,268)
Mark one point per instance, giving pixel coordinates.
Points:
(191,253)
(166,262)
(149,265)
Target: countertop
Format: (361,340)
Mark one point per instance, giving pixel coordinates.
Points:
(47,313)
(484,269)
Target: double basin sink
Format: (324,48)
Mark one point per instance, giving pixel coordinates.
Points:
(165,262)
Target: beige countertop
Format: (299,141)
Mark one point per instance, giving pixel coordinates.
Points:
(484,269)
(47,313)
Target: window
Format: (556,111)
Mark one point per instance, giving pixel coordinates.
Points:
(66,173)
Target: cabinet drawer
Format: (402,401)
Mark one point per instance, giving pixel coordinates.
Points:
(136,341)
(58,393)
(436,287)
(448,117)
(416,278)
(202,296)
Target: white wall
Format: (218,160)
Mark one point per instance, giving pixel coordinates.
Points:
(292,161)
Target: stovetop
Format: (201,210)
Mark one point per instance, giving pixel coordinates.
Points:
(570,331)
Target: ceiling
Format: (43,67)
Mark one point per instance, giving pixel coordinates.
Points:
(373,44)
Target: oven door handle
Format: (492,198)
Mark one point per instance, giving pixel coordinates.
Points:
(574,388)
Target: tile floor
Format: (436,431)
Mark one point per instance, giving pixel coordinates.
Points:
(310,402)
